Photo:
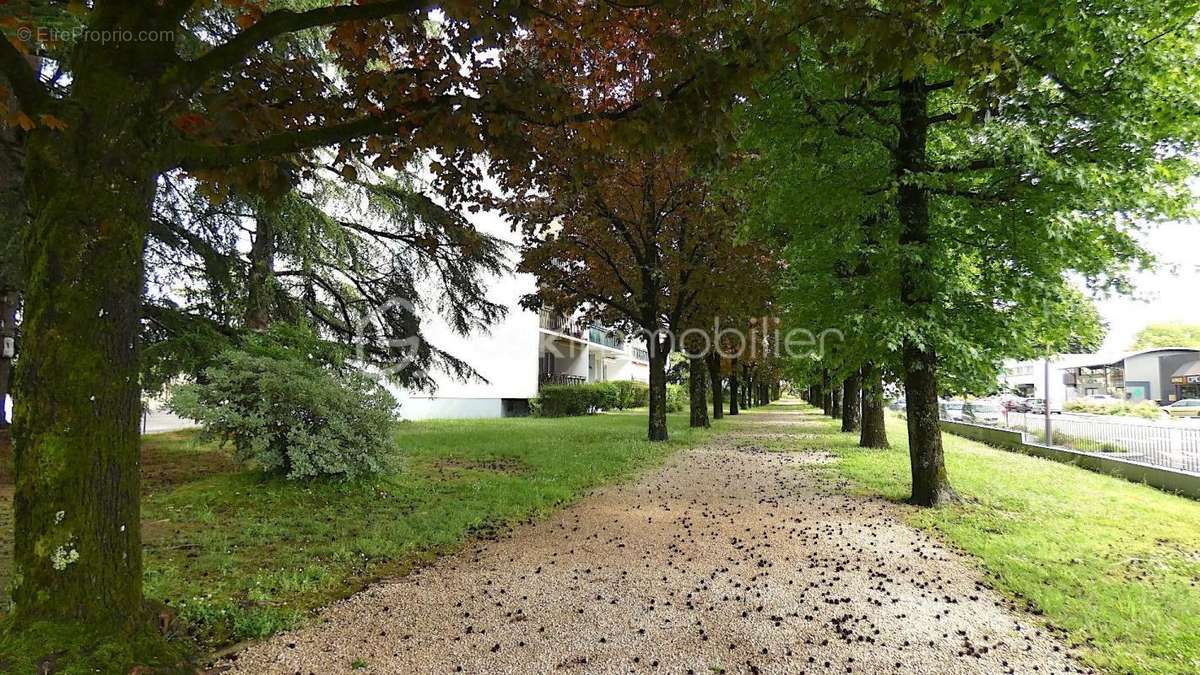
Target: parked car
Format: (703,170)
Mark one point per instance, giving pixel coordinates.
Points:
(1037,406)
(1188,407)
(982,412)
(951,410)
(1015,404)
(1103,399)
(897,405)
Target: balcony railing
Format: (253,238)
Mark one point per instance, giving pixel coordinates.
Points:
(577,329)
(561,324)
(560,378)
(603,336)
(641,354)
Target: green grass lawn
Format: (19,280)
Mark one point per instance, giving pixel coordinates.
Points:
(1114,563)
(239,556)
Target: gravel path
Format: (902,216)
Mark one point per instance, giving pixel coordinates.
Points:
(728,558)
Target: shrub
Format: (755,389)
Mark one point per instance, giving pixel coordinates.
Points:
(564,400)
(1146,409)
(291,410)
(633,394)
(606,396)
(677,398)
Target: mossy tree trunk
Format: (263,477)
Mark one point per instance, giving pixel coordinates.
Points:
(90,188)
(852,404)
(714,381)
(9,300)
(78,553)
(698,391)
(930,485)
(14,218)
(874,433)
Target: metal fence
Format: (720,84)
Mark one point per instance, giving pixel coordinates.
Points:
(1162,444)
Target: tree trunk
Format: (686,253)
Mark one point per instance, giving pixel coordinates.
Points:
(874,433)
(747,388)
(77,550)
(826,393)
(836,408)
(658,394)
(14,220)
(929,483)
(733,387)
(260,285)
(698,390)
(748,385)
(9,301)
(714,380)
(852,404)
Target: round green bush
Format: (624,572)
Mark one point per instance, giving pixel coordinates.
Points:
(292,413)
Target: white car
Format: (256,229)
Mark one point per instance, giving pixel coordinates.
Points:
(982,412)
(1103,399)
(952,410)
(1037,406)
(1188,407)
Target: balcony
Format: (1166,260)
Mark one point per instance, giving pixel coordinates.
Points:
(603,336)
(560,378)
(641,354)
(594,333)
(560,324)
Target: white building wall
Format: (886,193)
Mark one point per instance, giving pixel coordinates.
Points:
(507,356)
(629,369)
(1026,373)
(1144,368)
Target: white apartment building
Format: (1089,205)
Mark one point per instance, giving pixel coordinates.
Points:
(520,354)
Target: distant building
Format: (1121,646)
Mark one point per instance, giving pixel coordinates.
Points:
(1162,375)
(520,354)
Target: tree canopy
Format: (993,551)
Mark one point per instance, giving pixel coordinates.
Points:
(932,180)
(1167,335)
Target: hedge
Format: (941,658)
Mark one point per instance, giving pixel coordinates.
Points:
(584,399)
(633,394)
(1147,409)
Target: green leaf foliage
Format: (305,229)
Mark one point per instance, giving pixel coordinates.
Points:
(1167,335)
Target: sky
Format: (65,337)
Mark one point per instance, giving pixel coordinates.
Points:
(1169,293)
